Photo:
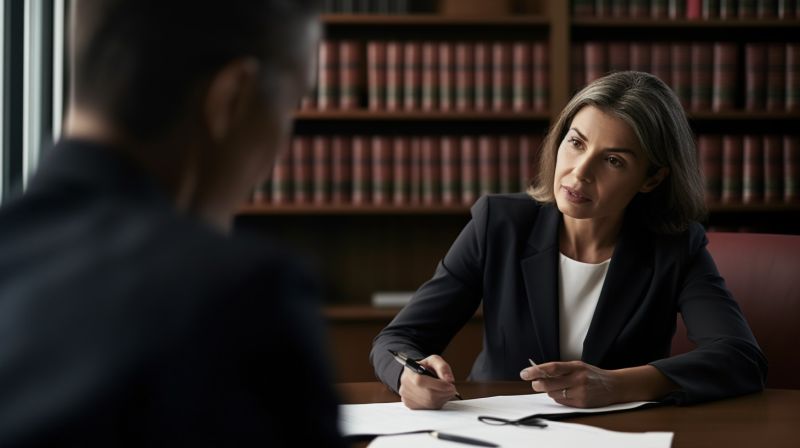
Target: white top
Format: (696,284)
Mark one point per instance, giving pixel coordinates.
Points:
(579,286)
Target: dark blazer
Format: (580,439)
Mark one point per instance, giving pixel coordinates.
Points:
(507,259)
(123,323)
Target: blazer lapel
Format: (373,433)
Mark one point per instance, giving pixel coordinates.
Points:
(539,266)
(628,277)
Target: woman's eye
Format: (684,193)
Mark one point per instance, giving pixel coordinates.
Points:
(574,142)
(615,162)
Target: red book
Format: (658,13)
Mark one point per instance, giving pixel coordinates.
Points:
(732,152)
(508,165)
(724,83)
(350,69)
(431,171)
(447,77)
(702,68)
(451,172)
(465,76)
(501,76)
(595,60)
(415,184)
(773,168)
(376,75)
(281,180)
(528,160)
(541,76)
(401,154)
(791,168)
(381,173)
(660,62)
(682,73)
(412,76)
(430,76)
(578,71)
(488,156)
(753,170)
(483,76)
(394,76)
(755,76)
(776,77)
(694,9)
(709,148)
(793,76)
(640,57)
(619,56)
(341,170)
(328,82)
(522,69)
(469,170)
(361,171)
(321,170)
(302,169)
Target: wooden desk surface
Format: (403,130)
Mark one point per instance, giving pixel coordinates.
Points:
(767,419)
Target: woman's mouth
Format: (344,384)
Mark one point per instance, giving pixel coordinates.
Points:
(574,196)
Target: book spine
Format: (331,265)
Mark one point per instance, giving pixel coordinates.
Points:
(595,60)
(522,71)
(640,57)
(638,9)
(431,171)
(710,150)
(710,9)
(376,75)
(415,183)
(732,169)
(401,154)
(682,73)
(694,9)
(341,170)
(469,170)
(619,9)
(702,67)
(394,76)
(412,76)
(361,171)
(658,9)
(281,180)
(483,76)
(465,76)
(619,54)
(755,76)
(767,9)
(793,76)
(301,170)
(350,69)
(541,76)
(724,76)
(501,76)
(676,9)
(773,168)
(791,168)
(747,9)
(602,8)
(508,164)
(528,146)
(727,9)
(776,77)
(753,170)
(660,63)
(381,163)
(321,169)
(578,72)
(488,169)
(450,170)
(328,91)
(447,76)
(430,76)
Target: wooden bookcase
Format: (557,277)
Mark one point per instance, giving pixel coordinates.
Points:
(362,249)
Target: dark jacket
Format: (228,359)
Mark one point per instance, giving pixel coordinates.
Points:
(507,259)
(124,323)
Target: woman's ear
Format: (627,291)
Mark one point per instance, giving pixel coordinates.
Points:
(653,181)
(227,96)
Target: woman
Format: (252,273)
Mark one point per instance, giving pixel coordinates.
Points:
(584,275)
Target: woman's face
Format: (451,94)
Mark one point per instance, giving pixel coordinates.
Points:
(600,167)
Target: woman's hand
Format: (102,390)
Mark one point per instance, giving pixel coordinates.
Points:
(423,392)
(580,385)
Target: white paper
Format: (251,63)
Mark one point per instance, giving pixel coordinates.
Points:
(461,418)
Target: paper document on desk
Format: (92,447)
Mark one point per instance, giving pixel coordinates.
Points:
(461,417)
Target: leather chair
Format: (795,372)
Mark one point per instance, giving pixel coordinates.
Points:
(763,274)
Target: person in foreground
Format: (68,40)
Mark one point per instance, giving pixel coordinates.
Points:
(585,274)
(129,316)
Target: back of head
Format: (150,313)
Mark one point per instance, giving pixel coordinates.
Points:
(137,62)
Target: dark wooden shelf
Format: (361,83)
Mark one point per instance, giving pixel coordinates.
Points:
(742,115)
(411,210)
(368,115)
(684,23)
(349,210)
(433,19)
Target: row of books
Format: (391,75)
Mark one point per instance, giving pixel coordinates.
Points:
(705,76)
(750,169)
(366,6)
(449,170)
(431,76)
(687,9)
(381,170)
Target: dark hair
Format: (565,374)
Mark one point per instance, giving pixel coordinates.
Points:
(137,61)
(655,114)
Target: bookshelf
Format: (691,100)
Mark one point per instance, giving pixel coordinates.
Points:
(361,248)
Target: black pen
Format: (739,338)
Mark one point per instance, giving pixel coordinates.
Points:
(461,439)
(403,359)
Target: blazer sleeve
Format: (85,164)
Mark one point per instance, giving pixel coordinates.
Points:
(727,360)
(441,306)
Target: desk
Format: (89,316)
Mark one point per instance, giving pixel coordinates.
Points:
(768,419)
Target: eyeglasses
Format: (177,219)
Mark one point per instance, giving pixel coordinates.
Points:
(531,420)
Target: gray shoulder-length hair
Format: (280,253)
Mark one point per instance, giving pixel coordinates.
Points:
(654,113)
